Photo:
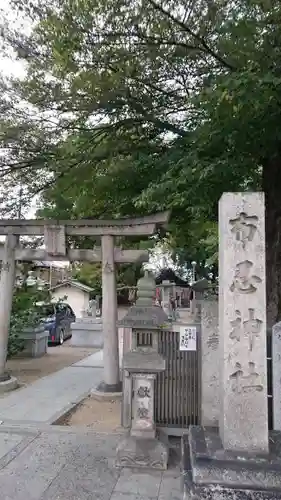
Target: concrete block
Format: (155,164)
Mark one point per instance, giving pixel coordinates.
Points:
(35,342)
(87,332)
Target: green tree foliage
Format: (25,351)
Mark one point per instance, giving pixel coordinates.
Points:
(91,274)
(88,274)
(144,105)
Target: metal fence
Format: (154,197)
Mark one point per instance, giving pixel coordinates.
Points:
(269,380)
(178,388)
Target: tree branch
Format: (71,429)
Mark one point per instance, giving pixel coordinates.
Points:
(197,37)
(147,39)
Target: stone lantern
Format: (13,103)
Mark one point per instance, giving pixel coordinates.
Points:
(142,447)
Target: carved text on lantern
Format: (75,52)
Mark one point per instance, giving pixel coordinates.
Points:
(142,412)
(143,391)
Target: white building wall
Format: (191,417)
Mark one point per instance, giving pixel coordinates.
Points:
(77,299)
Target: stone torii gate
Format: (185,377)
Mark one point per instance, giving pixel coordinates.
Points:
(55,233)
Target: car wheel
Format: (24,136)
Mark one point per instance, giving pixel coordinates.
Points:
(61,337)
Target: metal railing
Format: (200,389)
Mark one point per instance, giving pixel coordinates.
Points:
(269,380)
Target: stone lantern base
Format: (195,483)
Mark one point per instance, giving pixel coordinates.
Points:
(145,453)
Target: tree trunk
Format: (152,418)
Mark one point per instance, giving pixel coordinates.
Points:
(271,184)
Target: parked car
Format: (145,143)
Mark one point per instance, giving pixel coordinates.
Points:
(57,319)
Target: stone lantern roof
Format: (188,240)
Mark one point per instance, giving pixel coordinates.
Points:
(145,314)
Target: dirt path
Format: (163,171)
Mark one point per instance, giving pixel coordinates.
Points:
(101,416)
(27,370)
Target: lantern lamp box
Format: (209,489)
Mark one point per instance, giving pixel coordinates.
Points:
(188,338)
(152,362)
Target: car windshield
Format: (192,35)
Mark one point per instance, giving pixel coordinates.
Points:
(47,310)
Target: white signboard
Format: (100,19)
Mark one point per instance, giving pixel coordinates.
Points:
(188,338)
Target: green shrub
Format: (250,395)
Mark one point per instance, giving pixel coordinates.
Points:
(25,314)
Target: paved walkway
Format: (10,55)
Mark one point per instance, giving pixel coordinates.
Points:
(58,464)
(48,398)
(39,461)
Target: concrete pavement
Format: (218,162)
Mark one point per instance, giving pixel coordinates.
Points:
(39,461)
(48,398)
(54,463)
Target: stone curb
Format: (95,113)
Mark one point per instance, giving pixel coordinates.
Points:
(9,385)
(105,396)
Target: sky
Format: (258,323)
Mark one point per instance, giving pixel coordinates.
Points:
(10,67)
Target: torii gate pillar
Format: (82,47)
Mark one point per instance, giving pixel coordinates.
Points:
(6,297)
(111,381)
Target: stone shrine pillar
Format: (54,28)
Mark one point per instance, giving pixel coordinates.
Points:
(141,448)
(238,461)
(242,323)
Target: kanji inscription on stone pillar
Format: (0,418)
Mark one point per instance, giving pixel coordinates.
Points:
(242,323)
